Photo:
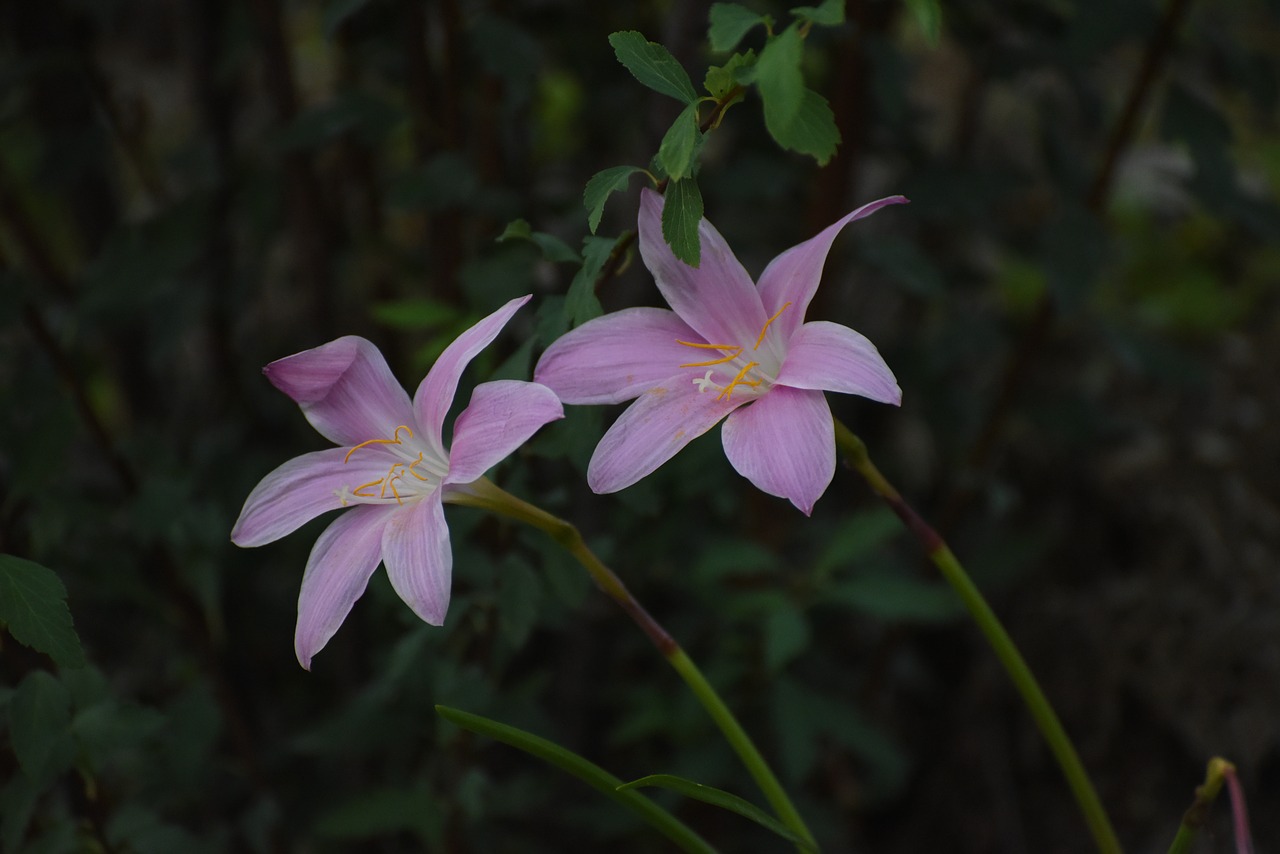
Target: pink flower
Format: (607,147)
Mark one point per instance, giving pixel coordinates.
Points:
(391,470)
(729,348)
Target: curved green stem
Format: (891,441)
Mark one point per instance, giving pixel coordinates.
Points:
(483,493)
(1046,719)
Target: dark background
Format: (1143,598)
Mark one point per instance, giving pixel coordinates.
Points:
(1080,305)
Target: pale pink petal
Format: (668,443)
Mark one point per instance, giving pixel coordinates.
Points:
(300,490)
(793,276)
(618,356)
(435,393)
(785,444)
(415,550)
(345,390)
(829,356)
(343,559)
(717,298)
(662,421)
(501,417)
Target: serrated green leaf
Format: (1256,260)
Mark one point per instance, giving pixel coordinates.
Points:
(39,720)
(681,214)
(723,79)
(602,185)
(829,14)
(653,65)
(729,23)
(581,303)
(588,772)
(678,151)
(786,634)
(928,15)
(724,800)
(780,82)
(553,248)
(812,129)
(33,602)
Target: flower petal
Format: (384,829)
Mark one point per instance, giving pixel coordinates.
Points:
(300,490)
(661,422)
(501,417)
(717,298)
(784,443)
(793,276)
(345,390)
(435,393)
(415,550)
(341,562)
(616,357)
(829,356)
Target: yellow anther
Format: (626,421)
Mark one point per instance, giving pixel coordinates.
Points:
(368,485)
(394,440)
(735,352)
(738,380)
(768,322)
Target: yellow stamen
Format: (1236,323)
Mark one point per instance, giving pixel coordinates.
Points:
(371,483)
(735,348)
(394,440)
(738,380)
(768,322)
(419,461)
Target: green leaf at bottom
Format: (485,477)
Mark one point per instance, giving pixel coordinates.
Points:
(724,800)
(586,771)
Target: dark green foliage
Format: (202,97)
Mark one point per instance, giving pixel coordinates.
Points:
(1080,305)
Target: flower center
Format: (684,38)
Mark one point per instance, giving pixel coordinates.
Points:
(750,376)
(412,474)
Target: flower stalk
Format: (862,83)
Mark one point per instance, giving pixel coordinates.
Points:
(1218,772)
(1046,719)
(484,494)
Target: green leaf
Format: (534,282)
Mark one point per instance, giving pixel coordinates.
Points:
(653,65)
(581,303)
(928,15)
(723,79)
(588,772)
(678,151)
(893,596)
(33,602)
(729,23)
(724,800)
(518,594)
(602,185)
(780,82)
(857,538)
(812,130)
(680,217)
(553,248)
(415,313)
(39,721)
(829,14)
(786,634)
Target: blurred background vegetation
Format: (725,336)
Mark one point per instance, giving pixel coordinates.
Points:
(1080,303)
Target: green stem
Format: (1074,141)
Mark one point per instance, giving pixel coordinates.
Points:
(1198,813)
(485,494)
(989,624)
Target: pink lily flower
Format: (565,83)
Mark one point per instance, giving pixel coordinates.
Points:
(729,348)
(391,471)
